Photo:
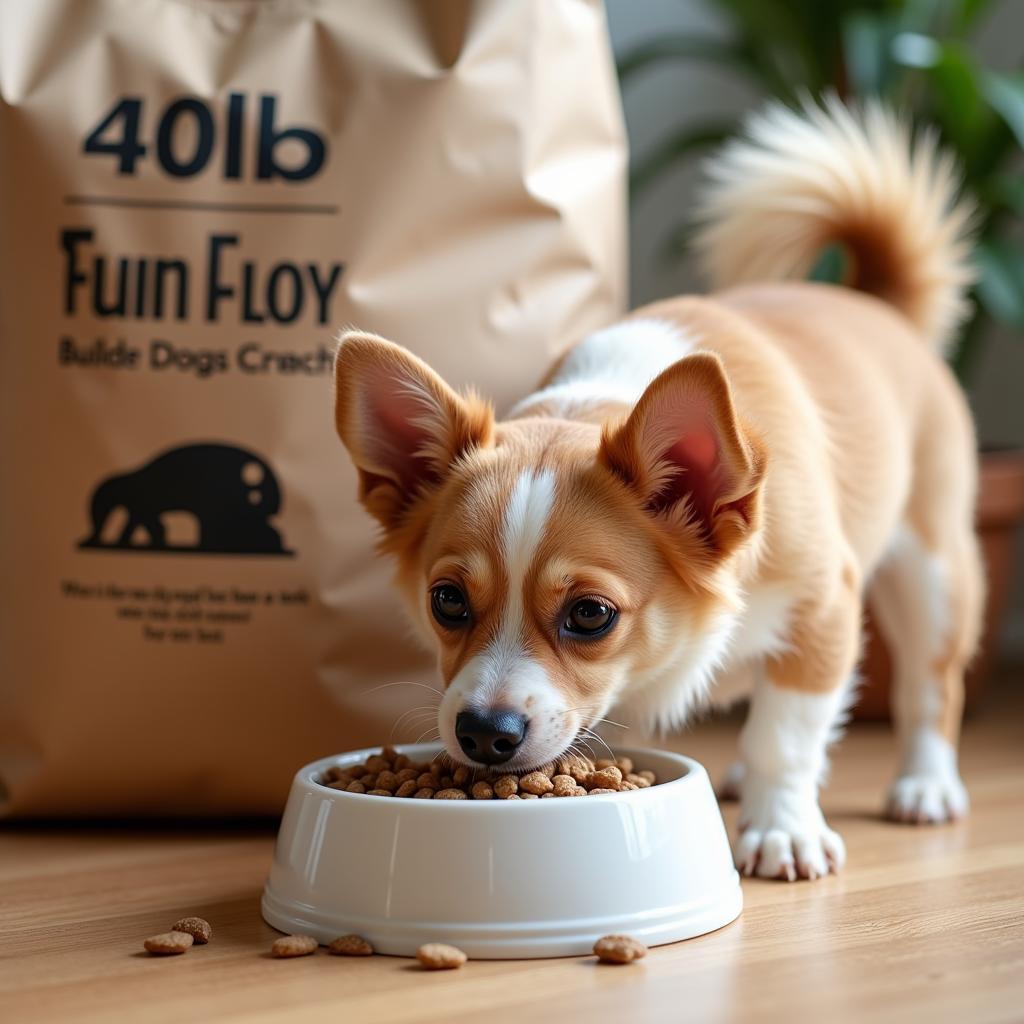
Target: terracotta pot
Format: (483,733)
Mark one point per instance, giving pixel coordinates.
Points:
(1000,512)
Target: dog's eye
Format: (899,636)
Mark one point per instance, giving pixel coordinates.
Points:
(449,605)
(589,617)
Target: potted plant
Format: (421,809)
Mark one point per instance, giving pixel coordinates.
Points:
(918,56)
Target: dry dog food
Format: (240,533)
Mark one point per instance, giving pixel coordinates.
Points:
(619,949)
(293,945)
(199,929)
(168,943)
(350,945)
(436,956)
(392,774)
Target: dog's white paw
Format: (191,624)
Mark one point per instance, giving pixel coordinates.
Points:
(783,835)
(928,791)
(730,787)
(927,799)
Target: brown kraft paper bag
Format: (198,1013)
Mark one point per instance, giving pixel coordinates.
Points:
(195,195)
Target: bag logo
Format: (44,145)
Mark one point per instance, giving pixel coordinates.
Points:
(230,492)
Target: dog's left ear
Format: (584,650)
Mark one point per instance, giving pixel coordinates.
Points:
(685,454)
(402,424)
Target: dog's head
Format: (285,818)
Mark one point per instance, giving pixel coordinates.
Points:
(558,566)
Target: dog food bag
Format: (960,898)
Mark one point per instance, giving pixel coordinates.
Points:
(195,195)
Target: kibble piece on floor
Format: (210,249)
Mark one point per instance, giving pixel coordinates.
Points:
(293,945)
(436,956)
(168,943)
(197,927)
(350,945)
(619,949)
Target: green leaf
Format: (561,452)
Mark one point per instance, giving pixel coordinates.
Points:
(970,12)
(866,37)
(1006,95)
(786,45)
(1000,287)
(683,47)
(647,169)
(1006,191)
(960,107)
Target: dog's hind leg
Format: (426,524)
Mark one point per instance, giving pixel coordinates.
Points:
(927,599)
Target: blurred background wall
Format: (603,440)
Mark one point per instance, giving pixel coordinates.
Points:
(677,94)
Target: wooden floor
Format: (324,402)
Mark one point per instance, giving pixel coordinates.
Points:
(925,924)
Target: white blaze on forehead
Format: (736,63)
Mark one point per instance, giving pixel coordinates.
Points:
(495,671)
(526,519)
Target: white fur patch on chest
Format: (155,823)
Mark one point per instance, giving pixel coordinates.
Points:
(611,365)
(759,633)
(763,625)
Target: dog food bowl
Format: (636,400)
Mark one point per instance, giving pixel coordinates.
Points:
(504,879)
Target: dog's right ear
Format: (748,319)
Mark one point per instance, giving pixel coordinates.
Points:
(402,425)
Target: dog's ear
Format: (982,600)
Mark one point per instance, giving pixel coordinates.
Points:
(686,456)
(402,425)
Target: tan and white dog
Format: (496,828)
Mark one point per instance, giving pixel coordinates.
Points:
(696,502)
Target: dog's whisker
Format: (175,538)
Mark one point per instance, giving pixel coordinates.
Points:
(407,718)
(423,709)
(411,726)
(599,739)
(403,682)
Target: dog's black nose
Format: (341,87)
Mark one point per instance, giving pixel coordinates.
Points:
(491,737)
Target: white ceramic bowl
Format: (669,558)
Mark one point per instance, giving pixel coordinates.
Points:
(504,879)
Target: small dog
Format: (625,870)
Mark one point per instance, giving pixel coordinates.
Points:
(696,502)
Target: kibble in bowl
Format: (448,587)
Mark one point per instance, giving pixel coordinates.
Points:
(403,867)
(393,774)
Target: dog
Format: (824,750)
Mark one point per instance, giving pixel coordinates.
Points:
(698,501)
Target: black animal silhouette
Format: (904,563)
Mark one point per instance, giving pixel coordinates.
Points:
(231,492)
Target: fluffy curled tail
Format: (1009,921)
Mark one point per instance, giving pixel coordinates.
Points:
(800,180)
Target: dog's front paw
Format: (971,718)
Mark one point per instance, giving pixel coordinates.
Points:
(783,835)
(927,799)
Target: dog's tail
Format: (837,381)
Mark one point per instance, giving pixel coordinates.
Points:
(799,181)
